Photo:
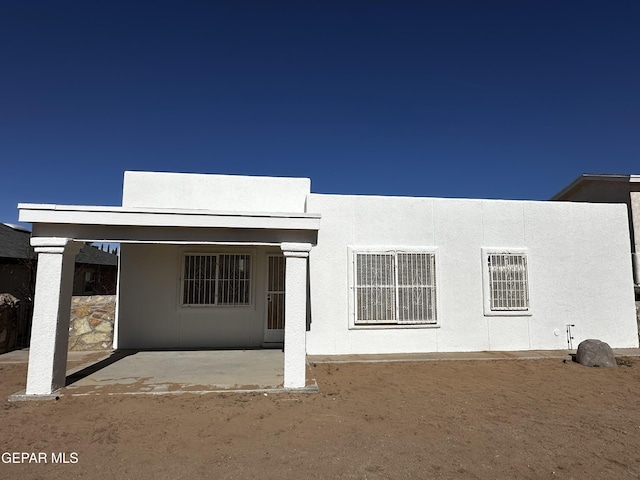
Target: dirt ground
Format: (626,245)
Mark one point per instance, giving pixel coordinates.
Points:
(507,419)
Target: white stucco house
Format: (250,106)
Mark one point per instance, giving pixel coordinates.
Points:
(234,261)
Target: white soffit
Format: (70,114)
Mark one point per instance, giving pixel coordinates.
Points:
(146,217)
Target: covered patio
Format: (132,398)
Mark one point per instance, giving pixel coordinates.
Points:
(169,372)
(59,231)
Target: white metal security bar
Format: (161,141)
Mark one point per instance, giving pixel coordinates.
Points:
(508,282)
(216,279)
(416,288)
(395,288)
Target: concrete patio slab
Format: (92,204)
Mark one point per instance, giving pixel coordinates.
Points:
(166,372)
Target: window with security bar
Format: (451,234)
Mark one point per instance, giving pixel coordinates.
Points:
(395,288)
(216,279)
(508,282)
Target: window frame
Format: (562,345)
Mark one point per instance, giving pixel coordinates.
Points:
(395,250)
(486,283)
(216,280)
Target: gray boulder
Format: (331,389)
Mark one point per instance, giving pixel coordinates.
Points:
(595,353)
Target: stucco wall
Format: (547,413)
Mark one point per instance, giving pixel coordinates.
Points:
(150,315)
(579,264)
(226,193)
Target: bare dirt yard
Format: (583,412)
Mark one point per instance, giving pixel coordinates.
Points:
(502,419)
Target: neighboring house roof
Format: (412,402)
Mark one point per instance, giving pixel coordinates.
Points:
(590,177)
(94,256)
(15,243)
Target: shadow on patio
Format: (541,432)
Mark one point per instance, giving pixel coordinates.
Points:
(178,371)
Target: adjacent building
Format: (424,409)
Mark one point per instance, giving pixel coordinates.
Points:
(602,188)
(95,273)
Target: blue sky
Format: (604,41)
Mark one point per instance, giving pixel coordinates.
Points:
(487,99)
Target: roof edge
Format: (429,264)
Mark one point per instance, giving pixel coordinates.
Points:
(591,177)
(163,211)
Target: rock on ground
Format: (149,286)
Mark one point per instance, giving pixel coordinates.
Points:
(595,353)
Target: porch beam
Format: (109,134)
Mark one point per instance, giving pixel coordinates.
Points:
(174,235)
(149,217)
(51,311)
(295,313)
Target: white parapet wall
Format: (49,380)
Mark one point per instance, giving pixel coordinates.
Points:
(225,193)
(578,262)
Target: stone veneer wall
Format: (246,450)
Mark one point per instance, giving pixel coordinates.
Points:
(91,326)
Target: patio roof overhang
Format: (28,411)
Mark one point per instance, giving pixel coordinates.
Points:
(122,224)
(58,229)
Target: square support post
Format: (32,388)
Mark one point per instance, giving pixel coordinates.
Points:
(295,314)
(51,311)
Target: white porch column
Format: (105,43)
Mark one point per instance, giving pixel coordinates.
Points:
(295,314)
(51,310)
